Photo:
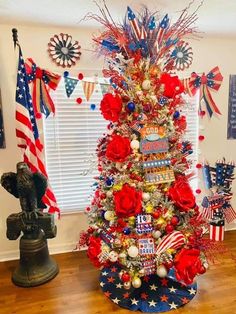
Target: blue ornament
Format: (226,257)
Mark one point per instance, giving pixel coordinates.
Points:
(131,106)
(92,106)
(126,230)
(176,115)
(66,74)
(102,213)
(109,181)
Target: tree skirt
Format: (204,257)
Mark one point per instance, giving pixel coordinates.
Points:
(155,295)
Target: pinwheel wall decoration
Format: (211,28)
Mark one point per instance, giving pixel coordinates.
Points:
(63,51)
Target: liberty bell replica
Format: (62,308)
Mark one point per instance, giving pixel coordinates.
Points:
(35,266)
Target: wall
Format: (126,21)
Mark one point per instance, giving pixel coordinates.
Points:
(208,53)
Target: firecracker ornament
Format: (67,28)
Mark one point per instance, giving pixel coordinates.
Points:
(144,208)
(63,50)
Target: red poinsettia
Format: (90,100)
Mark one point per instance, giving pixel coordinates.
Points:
(182,195)
(128,201)
(111,106)
(172,84)
(187,265)
(118,149)
(94,249)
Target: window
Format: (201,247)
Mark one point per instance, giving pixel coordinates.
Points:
(71,139)
(70,144)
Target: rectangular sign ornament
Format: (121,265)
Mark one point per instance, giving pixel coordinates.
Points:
(156,146)
(160,177)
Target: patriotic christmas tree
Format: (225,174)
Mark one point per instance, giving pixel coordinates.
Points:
(144,229)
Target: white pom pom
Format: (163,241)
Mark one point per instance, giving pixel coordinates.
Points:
(146,84)
(133,251)
(146,197)
(156,234)
(134,144)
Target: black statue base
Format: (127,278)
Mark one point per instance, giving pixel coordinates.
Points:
(36,267)
(156,295)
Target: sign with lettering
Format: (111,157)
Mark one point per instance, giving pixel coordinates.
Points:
(156,146)
(160,177)
(231,132)
(144,224)
(146,246)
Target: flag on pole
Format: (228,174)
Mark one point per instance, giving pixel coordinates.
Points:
(27,132)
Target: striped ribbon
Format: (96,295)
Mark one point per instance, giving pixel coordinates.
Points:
(173,240)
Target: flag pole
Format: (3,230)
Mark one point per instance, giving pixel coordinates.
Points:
(15,37)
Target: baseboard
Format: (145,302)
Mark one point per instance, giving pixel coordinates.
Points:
(53,249)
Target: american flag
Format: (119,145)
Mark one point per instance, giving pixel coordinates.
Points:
(27,131)
(134,24)
(164,24)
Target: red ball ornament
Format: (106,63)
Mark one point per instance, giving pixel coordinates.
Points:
(156,214)
(79,100)
(125,277)
(174,220)
(198,191)
(202,270)
(169,228)
(135,115)
(80,76)
(198,166)
(201,137)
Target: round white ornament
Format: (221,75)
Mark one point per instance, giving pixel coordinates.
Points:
(161,271)
(127,285)
(146,84)
(133,251)
(156,234)
(146,197)
(109,194)
(136,282)
(109,215)
(113,256)
(134,144)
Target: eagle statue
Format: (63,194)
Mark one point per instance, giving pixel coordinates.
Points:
(27,186)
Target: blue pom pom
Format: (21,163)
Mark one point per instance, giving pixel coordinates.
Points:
(66,74)
(131,106)
(92,106)
(126,230)
(109,181)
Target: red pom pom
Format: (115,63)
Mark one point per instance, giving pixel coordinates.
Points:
(79,101)
(174,220)
(201,137)
(198,191)
(202,113)
(198,166)
(38,115)
(80,76)
(156,214)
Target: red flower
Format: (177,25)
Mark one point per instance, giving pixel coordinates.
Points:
(111,107)
(187,265)
(182,195)
(94,249)
(173,85)
(118,149)
(128,201)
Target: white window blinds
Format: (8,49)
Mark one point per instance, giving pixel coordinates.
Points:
(70,144)
(71,139)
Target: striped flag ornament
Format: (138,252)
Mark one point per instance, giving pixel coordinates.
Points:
(27,132)
(88,88)
(162,28)
(134,24)
(173,240)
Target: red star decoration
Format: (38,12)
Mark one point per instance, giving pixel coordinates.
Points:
(185,300)
(113,269)
(111,279)
(164,282)
(164,298)
(126,295)
(146,278)
(107,294)
(144,296)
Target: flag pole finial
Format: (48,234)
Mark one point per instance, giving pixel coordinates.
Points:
(15,36)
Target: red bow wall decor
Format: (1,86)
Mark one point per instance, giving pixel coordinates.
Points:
(42,81)
(206,83)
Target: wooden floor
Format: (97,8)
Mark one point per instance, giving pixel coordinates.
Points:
(76,289)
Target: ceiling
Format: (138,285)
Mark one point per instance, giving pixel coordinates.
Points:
(215,16)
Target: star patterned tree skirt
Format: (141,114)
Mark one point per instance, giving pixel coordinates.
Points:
(155,295)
